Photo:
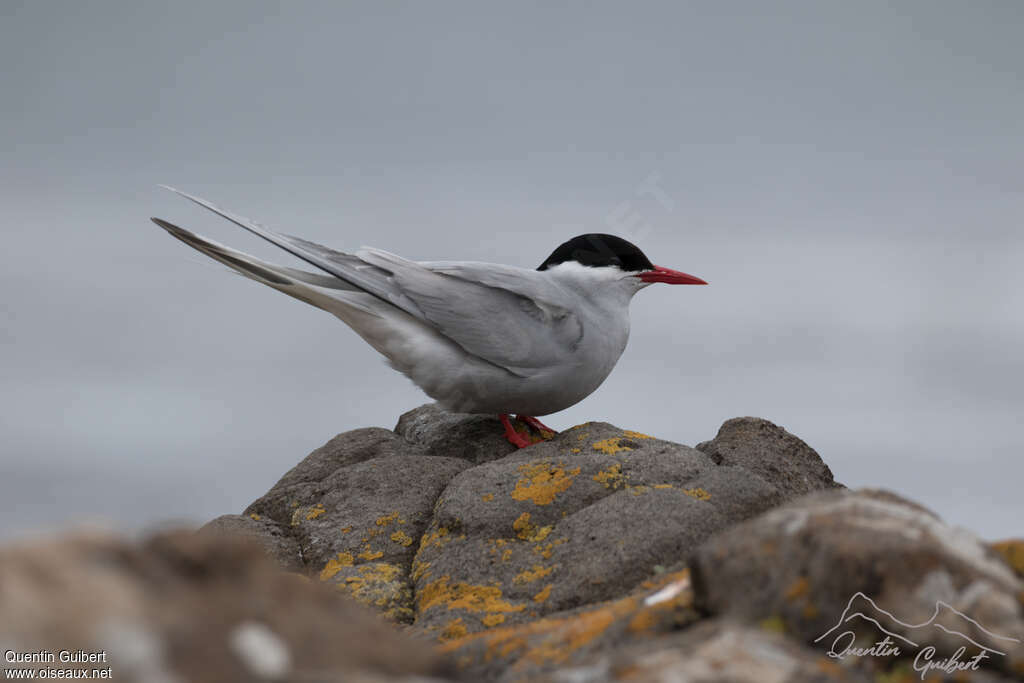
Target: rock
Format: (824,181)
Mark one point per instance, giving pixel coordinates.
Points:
(716,651)
(358,527)
(189,607)
(577,519)
(812,564)
(565,641)
(772,453)
(268,534)
(1013,552)
(476,438)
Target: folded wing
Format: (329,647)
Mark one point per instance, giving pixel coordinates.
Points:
(511,317)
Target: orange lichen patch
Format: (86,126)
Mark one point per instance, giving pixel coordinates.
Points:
(548,640)
(545,550)
(387,519)
(370,554)
(381,585)
(635,435)
(463,596)
(610,446)
(402,538)
(506,555)
(638,490)
(420,570)
(798,588)
(335,565)
(492,620)
(611,478)
(664,579)
(663,486)
(439,538)
(487,497)
(254,516)
(317,510)
(1013,552)
(454,629)
(528,531)
(575,450)
(530,575)
(643,622)
(346,530)
(698,493)
(544,594)
(541,482)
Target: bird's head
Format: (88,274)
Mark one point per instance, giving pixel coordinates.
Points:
(617,257)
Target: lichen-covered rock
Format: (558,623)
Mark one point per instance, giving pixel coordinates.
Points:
(192,607)
(822,560)
(571,521)
(714,651)
(1013,552)
(359,527)
(561,642)
(476,438)
(772,453)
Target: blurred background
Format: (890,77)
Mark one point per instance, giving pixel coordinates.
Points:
(848,176)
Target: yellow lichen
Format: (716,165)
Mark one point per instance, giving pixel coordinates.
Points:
(544,594)
(635,435)
(487,497)
(575,450)
(454,629)
(610,446)
(612,478)
(1013,552)
(774,624)
(438,538)
(698,493)
(441,593)
(254,516)
(335,565)
(346,530)
(317,510)
(798,588)
(492,620)
(402,538)
(541,482)
(506,555)
(662,486)
(528,531)
(530,575)
(386,519)
(370,554)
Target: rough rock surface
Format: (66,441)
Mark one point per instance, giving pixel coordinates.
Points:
(185,607)
(811,565)
(772,453)
(600,554)
(477,438)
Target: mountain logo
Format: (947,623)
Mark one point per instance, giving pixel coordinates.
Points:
(947,630)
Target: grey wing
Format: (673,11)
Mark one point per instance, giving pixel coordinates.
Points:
(348,268)
(510,317)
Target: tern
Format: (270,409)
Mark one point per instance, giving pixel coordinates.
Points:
(475,337)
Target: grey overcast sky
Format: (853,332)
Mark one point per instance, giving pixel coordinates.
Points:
(849,176)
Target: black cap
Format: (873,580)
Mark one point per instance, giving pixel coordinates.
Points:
(597,250)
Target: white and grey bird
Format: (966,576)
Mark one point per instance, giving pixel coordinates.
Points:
(476,337)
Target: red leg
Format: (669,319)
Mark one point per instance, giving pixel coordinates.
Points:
(514,437)
(536,424)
